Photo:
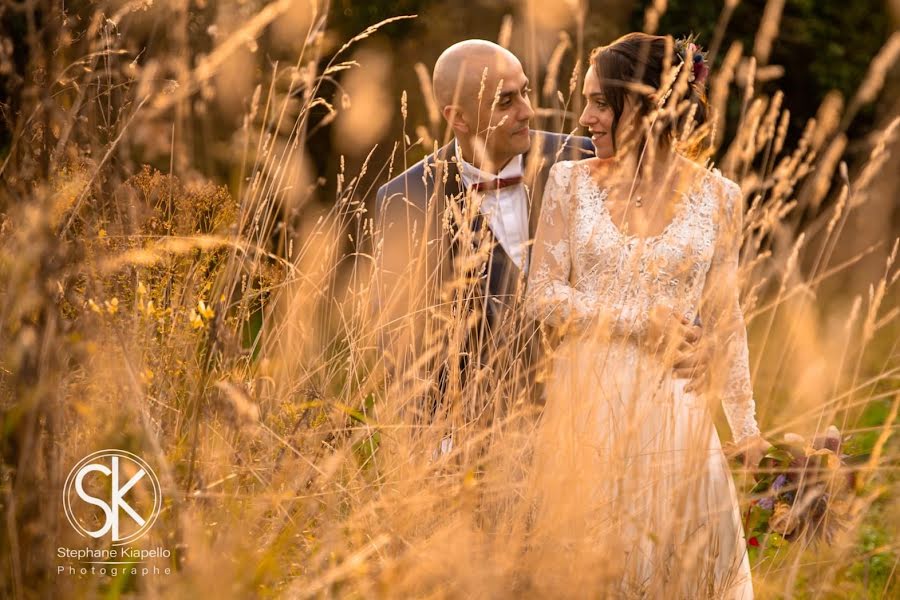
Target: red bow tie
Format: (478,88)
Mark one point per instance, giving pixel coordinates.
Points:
(496,184)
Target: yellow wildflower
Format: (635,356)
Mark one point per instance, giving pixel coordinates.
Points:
(205,311)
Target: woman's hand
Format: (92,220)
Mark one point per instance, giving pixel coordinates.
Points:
(668,331)
(749,450)
(666,326)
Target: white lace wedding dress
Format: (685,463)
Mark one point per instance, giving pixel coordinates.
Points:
(628,471)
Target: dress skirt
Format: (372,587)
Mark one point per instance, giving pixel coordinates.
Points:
(630,492)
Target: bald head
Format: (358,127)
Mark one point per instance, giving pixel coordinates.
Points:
(492,127)
(458,70)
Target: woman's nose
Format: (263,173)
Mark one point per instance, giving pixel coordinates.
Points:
(586,119)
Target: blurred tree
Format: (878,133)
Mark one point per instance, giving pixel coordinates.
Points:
(822,45)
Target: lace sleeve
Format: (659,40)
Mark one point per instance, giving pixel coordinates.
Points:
(731,374)
(549,295)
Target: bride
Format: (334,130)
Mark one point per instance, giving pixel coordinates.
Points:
(636,249)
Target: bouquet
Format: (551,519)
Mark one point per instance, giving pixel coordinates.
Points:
(803,491)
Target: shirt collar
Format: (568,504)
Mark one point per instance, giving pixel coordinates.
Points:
(469,171)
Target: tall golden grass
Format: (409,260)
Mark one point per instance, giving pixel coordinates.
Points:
(224,332)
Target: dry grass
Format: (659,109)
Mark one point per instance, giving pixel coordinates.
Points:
(224,333)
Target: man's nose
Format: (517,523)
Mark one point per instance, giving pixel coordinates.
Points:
(527,113)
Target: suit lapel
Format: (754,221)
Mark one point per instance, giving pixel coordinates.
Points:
(443,173)
(500,266)
(536,166)
(453,185)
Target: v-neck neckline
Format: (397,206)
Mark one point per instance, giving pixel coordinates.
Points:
(684,199)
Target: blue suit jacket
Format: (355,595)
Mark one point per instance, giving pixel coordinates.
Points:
(428,200)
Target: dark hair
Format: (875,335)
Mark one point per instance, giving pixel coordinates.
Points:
(634,65)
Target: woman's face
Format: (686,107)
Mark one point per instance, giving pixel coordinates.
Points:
(598,117)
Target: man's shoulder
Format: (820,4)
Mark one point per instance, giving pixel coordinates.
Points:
(412,181)
(561,146)
(401,183)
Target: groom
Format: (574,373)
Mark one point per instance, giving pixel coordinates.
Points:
(455,229)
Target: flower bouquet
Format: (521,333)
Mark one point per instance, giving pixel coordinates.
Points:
(803,491)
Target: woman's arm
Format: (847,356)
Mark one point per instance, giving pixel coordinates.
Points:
(549,297)
(730,369)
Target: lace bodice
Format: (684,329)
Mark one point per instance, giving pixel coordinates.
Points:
(582,265)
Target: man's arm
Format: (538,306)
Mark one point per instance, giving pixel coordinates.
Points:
(407,275)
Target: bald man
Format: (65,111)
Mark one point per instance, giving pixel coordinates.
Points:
(455,228)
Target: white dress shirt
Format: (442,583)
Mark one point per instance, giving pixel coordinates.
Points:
(506,209)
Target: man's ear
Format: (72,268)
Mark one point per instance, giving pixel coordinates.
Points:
(455,118)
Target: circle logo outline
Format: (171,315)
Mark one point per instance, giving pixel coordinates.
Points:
(122,454)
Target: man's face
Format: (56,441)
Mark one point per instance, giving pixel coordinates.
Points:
(499,121)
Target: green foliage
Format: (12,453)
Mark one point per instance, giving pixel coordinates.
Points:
(822,45)
(357,16)
(869,575)
(874,415)
(367,447)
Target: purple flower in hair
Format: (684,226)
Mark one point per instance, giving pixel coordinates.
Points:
(701,71)
(767,503)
